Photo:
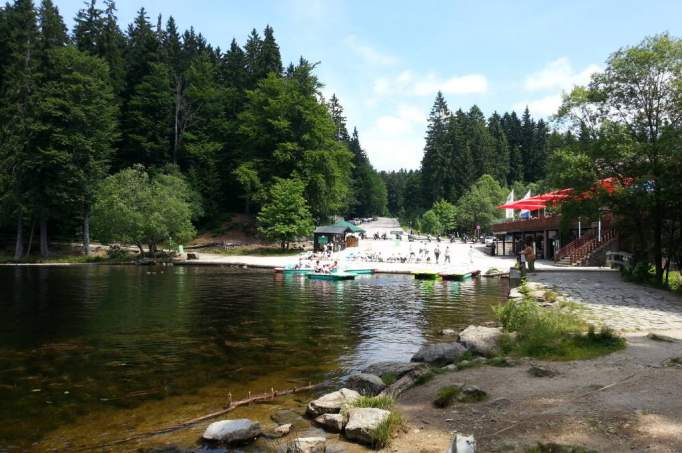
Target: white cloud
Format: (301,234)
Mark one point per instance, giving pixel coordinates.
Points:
(559,75)
(396,141)
(428,85)
(544,107)
(369,54)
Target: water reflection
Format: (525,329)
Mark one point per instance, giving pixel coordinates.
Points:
(79,339)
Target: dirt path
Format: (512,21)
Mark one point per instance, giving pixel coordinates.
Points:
(641,412)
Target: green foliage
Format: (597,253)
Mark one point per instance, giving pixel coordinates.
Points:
(430,223)
(557,333)
(383,433)
(478,206)
(285,216)
(446,395)
(135,207)
(446,214)
(377,402)
(389,378)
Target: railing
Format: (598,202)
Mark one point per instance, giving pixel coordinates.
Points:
(572,246)
(536,224)
(580,252)
(587,240)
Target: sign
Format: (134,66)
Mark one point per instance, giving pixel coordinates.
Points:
(323,240)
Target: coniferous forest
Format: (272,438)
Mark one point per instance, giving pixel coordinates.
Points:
(223,124)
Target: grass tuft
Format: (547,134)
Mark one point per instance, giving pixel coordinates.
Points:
(446,395)
(376,402)
(389,378)
(557,333)
(383,434)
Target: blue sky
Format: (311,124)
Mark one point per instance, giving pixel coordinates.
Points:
(385,60)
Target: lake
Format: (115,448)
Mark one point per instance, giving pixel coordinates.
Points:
(82,342)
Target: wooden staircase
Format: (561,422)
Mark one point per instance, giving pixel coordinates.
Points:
(578,252)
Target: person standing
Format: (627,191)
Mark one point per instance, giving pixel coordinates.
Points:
(446,258)
(529,255)
(436,252)
(471,254)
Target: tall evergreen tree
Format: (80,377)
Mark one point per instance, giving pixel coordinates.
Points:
(527,144)
(479,142)
(461,171)
(252,48)
(269,59)
(87,29)
(500,149)
(436,158)
(336,111)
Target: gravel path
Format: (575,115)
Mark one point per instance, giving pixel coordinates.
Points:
(621,305)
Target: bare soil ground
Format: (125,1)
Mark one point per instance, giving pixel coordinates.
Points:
(627,401)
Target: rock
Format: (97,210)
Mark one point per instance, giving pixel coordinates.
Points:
(397,369)
(365,384)
(308,445)
(332,422)
(471,393)
(481,340)
(192,256)
(288,417)
(452,366)
(463,444)
(362,422)
(439,353)
(674,362)
(284,429)
(540,371)
(231,431)
(538,295)
(448,332)
(514,293)
(663,338)
(331,403)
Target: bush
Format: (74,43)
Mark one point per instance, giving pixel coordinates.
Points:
(376,402)
(384,432)
(389,378)
(446,395)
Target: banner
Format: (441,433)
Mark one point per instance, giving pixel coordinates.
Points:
(509,213)
(524,212)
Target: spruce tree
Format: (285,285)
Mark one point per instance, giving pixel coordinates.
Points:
(460,173)
(252,48)
(269,58)
(436,158)
(336,111)
(527,144)
(87,29)
(500,149)
(480,142)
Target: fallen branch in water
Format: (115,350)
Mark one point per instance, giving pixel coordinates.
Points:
(232,405)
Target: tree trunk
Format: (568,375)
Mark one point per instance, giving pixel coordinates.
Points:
(658,242)
(44,251)
(86,233)
(139,246)
(30,238)
(19,246)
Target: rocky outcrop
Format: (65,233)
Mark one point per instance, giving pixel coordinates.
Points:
(440,353)
(332,422)
(365,384)
(232,431)
(363,422)
(308,445)
(481,340)
(331,403)
(396,369)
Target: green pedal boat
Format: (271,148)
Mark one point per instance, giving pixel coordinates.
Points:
(425,275)
(333,276)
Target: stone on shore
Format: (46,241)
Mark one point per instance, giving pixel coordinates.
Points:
(541,371)
(514,293)
(331,403)
(363,422)
(308,445)
(448,332)
(332,422)
(365,384)
(471,393)
(232,431)
(481,340)
(396,369)
(440,353)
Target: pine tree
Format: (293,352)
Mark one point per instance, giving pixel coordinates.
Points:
(234,67)
(512,128)
(21,77)
(436,158)
(527,143)
(252,48)
(480,142)
(500,155)
(336,111)
(460,173)
(87,29)
(269,59)
(540,150)
(110,47)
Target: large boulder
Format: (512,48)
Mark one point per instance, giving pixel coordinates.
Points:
(395,369)
(440,353)
(481,340)
(365,384)
(363,422)
(331,403)
(308,445)
(232,431)
(332,422)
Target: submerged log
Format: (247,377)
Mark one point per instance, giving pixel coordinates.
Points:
(405,383)
(231,405)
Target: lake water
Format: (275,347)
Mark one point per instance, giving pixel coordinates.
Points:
(86,340)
